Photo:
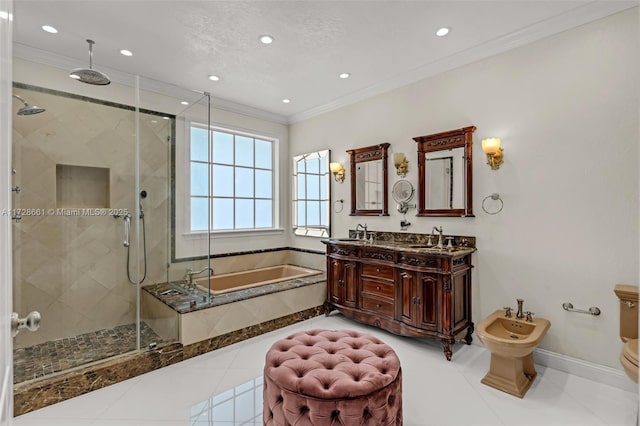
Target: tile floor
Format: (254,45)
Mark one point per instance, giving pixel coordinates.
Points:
(224,388)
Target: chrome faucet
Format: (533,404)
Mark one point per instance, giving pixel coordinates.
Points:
(439,230)
(365,231)
(188,277)
(519,314)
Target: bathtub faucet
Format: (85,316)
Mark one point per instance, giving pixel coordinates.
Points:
(188,277)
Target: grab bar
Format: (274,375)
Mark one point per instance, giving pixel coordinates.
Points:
(568,306)
(126,230)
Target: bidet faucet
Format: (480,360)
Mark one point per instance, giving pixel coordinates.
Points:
(435,229)
(519,314)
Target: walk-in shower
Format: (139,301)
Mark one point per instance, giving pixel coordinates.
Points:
(75,172)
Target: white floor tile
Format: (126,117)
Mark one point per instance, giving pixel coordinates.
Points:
(436,392)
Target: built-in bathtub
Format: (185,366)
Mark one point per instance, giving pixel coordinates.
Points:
(218,284)
(237,300)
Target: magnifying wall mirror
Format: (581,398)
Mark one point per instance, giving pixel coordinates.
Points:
(445,167)
(369,180)
(402,193)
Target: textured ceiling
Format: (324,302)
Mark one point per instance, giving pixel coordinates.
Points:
(383,44)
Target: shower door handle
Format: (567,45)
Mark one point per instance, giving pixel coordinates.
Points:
(31,322)
(126,230)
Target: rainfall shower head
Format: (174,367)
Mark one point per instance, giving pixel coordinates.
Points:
(28,109)
(89,75)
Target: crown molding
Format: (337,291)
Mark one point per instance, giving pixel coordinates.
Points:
(39,56)
(573,18)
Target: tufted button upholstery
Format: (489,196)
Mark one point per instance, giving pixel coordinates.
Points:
(328,377)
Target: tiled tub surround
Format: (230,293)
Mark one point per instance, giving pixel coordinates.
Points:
(201,317)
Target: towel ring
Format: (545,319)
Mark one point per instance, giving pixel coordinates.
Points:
(495,197)
(336,206)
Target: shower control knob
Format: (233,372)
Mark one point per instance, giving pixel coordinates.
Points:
(31,322)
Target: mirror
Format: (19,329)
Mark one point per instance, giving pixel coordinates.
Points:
(369,180)
(445,165)
(310,183)
(402,193)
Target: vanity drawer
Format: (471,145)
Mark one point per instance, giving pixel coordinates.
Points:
(375,304)
(346,250)
(371,253)
(378,288)
(379,271)
(422,261)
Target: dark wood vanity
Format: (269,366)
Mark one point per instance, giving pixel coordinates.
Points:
(403,287)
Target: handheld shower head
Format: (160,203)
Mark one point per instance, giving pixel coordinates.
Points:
(89,75)
(28,109)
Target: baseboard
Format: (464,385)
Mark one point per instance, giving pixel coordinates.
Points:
(585,369)
(588,370)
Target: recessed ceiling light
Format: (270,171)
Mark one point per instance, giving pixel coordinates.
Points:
(165,118)
(266,39)
(49,29)
(214,78)
(184,103)
(442,31)
(6,15)
(126,52)
(286,101)
(154,121)
(345,75)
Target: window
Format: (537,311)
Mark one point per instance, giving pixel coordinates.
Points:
(232,181)
(311,194)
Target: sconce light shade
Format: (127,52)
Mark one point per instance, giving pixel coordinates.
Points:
(338,171)
(491,147)
(401,163)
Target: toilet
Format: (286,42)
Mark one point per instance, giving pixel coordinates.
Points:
(628,296)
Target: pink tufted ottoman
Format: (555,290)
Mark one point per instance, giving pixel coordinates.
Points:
(323,377)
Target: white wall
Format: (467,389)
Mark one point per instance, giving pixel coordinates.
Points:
(566,108)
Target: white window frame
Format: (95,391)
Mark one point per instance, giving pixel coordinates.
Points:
(274,199)
(193,244)
(320,231)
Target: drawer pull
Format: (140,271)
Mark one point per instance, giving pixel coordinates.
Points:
(377,269)
(377,287)
(378,305)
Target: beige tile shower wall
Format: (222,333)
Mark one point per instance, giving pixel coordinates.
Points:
(71,268)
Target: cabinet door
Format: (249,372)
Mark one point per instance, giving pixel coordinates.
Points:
(407,283)
(427,302)
(350,280)
(334,281)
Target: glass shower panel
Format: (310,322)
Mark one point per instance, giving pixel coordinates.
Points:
(77,208)
(200,171)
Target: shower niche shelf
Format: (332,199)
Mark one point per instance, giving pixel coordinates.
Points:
(82,186)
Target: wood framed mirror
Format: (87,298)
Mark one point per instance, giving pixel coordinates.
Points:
(445,173)
(369,185)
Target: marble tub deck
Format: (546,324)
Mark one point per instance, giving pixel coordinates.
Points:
(189,300)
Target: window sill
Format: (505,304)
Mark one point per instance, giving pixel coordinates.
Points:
(232,234)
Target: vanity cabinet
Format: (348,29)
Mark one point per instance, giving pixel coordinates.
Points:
(343,278)
(407,292)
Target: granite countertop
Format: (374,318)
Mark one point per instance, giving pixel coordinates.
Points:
(182,300)
(420,247)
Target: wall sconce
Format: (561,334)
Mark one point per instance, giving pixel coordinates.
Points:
(401,163)
(491,147)
(338,171)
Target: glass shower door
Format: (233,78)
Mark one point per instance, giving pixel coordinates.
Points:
(76,208)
